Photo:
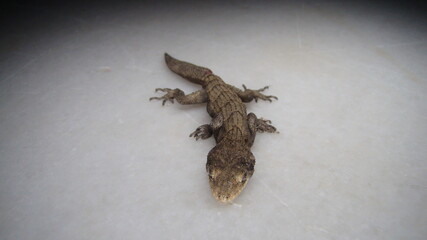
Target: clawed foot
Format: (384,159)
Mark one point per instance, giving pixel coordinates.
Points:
(169,96)
(258,95)
(263,125)
(203,132)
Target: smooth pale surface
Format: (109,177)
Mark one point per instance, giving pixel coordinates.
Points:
(85,155)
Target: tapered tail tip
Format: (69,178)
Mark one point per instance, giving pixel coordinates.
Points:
(167,57)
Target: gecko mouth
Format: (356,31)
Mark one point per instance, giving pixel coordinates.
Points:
(227,192)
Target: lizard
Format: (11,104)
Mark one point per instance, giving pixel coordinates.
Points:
(230,164)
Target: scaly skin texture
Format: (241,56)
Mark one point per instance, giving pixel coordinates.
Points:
(230,163)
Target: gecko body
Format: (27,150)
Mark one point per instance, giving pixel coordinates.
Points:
(230,163)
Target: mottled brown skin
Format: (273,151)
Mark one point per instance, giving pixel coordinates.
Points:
(230,163)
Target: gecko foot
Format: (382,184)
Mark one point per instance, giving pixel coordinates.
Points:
(203,132)
(263,125)
(256,94)
(169,96)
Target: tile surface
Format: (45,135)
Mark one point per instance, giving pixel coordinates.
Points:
(85,155)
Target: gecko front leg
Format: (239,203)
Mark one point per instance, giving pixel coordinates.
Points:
(206,130)
(171,94)
(260,124)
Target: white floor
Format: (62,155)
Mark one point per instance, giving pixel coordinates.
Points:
(85,155)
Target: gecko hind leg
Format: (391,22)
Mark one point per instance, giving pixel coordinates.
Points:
(248,95)
(171,94)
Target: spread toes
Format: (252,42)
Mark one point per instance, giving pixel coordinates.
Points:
(264,125)
(256,94)
(169,96)
(202,132)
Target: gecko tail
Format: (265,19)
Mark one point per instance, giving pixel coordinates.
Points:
(189,71)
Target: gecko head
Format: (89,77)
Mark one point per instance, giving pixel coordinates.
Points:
(229,168)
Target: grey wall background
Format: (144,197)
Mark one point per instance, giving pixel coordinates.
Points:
(85,155)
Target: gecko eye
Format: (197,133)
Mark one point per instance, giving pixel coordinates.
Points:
(249,166)
(244,177)
(241,178)
(212,174)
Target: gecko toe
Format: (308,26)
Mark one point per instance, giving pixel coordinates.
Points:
(262,89)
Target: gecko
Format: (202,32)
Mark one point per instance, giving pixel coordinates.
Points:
(230,164)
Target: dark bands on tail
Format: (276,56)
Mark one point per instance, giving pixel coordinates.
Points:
(187,70)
